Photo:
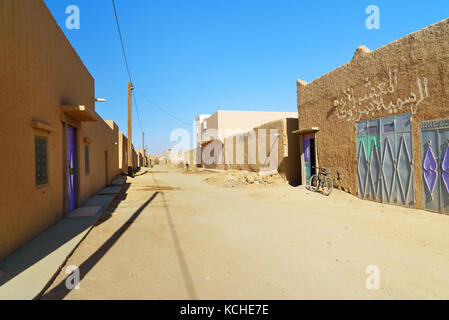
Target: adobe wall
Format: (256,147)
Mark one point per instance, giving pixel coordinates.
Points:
(39,72)
(287,151)
(135,159)
(103,137)
(123,153)
(410,75)
(241,121)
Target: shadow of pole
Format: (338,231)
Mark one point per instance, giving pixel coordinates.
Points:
(180,253)
(50,241)
(61,291)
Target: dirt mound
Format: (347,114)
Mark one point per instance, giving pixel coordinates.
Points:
(198,171)
(242,179)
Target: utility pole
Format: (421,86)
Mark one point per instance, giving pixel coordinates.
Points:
(143,148)
(143,142)
(149,158)
(130,148)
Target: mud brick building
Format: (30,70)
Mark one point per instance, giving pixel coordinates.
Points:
(380,122)
(56,150)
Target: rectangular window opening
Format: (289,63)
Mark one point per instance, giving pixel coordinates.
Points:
(41,159)
(87,159)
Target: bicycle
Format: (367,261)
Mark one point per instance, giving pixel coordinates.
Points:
(322,181)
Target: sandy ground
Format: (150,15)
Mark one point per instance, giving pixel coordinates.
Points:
(194,240)
(243,179)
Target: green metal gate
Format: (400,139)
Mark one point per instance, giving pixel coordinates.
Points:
(385,160)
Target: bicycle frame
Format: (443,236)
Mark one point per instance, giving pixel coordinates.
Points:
(321,179)
(322,176)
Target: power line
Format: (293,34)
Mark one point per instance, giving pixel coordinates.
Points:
(121,41)
(126,61)
(162,109)
(137,111)
(130,79)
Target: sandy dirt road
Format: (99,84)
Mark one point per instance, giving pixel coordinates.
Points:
(176,237)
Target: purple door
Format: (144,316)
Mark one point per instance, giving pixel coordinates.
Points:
(435,167)
(71,165)
(309,157)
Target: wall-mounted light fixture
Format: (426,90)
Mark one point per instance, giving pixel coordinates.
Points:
(100,100)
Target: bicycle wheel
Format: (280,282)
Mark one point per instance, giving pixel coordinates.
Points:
(314,183)
(328,186)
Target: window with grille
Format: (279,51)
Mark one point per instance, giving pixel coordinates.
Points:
(40,146)
(86,159)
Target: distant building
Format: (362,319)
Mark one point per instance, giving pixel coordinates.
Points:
(143,158)
(123,153)
(251,140)
(229,123)
(175,158)
(199,128)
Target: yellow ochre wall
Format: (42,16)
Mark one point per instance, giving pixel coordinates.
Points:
(39,72)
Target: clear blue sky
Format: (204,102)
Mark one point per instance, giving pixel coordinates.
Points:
(191,57)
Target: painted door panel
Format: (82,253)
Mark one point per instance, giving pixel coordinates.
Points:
(368,144)
(71,167)
(404,161)
(430,171)
(435,167)
(444,178)
(309,157)
(405,170)
(388,146)
(385,160)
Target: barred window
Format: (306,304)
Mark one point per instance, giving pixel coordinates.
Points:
(86,159)
(40,146)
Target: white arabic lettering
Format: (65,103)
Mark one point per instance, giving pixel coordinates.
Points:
(352,108)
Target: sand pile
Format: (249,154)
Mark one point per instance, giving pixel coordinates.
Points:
(242,179)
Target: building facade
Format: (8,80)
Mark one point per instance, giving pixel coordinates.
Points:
(226,123)
(199,129)
(123,153)
(379,123)
(57,151)
(272,146)
(253,141)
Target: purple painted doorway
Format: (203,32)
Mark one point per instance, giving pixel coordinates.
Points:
(71,157)
(309,157)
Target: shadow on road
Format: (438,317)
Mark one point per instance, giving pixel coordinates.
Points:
(180,253)
(51,240)
(142,173)
(61,291)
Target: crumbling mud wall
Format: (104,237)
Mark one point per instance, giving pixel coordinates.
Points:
(247,151)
